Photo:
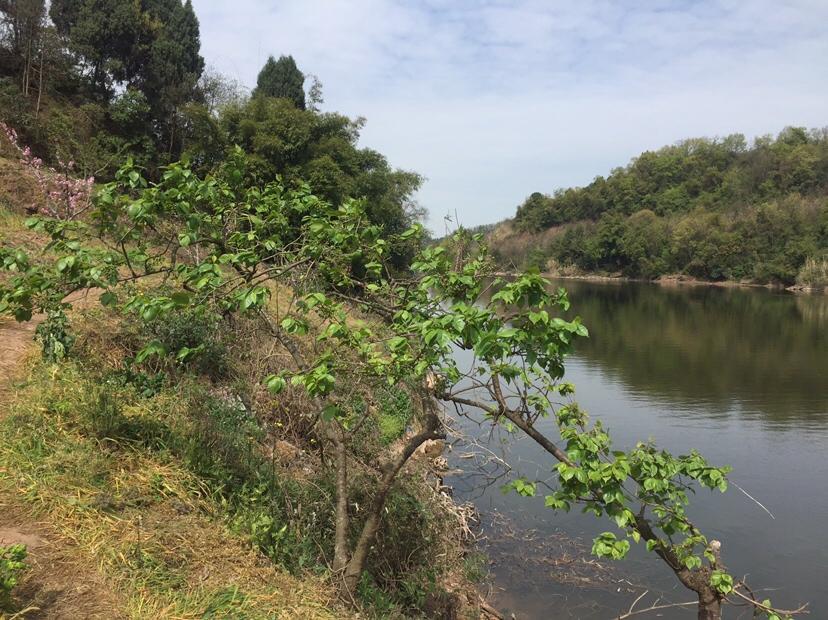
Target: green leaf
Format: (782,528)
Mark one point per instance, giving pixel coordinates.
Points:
(275,383)
(108,299)
(65,263)
(150,312)
(181,298)
(329,413)
(153,348)
(721,581)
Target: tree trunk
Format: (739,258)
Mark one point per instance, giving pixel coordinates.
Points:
(40,85)
(341,534)
(27,64)
(353,571)
(710,607)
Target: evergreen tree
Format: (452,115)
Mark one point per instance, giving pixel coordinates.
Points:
(64,14)
(173,64)
(283,80)
(173,70)
(24,24)
(106,34)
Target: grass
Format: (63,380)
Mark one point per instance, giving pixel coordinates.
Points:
(99,470)
(156,478)
(814,273)
(18,187)
(13,233)
(394,415)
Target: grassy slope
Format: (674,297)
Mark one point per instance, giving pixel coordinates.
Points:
(142,519)
(117,530)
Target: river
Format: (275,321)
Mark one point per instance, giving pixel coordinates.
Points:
(739,374)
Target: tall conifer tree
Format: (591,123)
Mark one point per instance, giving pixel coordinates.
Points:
(283,80)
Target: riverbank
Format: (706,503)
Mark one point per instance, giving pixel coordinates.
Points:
(187,490)
(676,281)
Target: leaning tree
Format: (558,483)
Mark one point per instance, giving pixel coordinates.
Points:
(229,242)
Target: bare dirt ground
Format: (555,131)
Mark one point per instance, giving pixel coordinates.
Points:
(15,342)
(57,584)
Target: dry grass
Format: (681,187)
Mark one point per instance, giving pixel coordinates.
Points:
(513,248)
(556,269)
(14,234)
(814,274)
(144,523)
(19,192)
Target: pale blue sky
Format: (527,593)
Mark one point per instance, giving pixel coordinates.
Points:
(492,100)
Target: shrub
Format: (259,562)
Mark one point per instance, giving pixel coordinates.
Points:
(104,417)
(394,414)
(814,273)
(11,566)
(196,330)
(54,336)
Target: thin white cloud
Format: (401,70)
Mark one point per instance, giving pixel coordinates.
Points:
(492,100)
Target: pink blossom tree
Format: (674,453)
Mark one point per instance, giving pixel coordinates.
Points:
(66,196)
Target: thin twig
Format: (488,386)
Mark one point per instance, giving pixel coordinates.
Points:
(758,503)
(631,613)
(803,609)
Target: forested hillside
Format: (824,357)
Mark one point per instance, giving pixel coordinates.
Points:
(167,480)
(715,209)
(87,84)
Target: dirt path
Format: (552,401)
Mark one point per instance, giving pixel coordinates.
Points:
(56,585)
(15,342)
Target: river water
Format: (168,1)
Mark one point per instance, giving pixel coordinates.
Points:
(739,374)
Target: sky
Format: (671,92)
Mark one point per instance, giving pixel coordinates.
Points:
(492,100)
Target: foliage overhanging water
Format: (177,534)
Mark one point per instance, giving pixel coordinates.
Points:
(742,376)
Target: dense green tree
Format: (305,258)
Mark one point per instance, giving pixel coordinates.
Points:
(64,14)
(712,209)
(282,79)
(152,46)
(323,150)
(536,212)
(127,80)
(23,24)
(105,34)
(173,66)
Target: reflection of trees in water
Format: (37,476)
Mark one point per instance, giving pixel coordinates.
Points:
(765,350)
(814,309)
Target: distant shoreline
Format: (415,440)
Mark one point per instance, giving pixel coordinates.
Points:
(680,280)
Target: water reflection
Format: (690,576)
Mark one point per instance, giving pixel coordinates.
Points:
(762,352)
(742,375)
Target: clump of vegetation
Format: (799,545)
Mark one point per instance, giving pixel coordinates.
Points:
(83,88)
(814,273)
(55,338)
(711,209)
(12,565)
(152,496)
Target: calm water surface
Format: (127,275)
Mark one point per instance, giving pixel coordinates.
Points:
(741,375)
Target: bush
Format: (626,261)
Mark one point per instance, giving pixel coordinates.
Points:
(198,330)
(54,336)
(394,415)
(11,566)
(814,273)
